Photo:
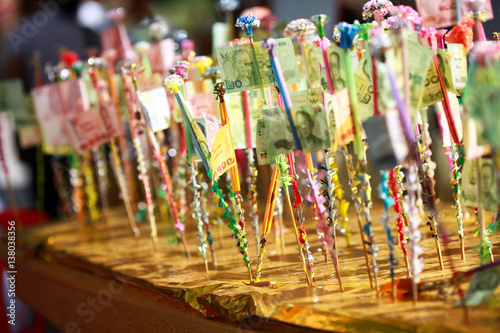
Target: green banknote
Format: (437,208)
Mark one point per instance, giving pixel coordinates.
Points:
(336,60)
(483,99)
(236,113)
(279,134)
(419,57)
(239,73)
(308,96)
(363,80)
(12,99)
(312,127)
(432,90)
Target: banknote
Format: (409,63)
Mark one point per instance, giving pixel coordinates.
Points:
(458,65)
(312,127)
(312,64)
(432,90)
(12,99)
(110,119)
(340,106)
(483,99)
(336,60)
(212,126)
(419,57)
(443,13)
(307,96)
(278,131)
(487,184)
(85,129)
(363,80)
(236,114)
(198,136)
(155,106)
(262,144)
(202,103)
(239,73)
(444,64)
(50,114)
(483,284)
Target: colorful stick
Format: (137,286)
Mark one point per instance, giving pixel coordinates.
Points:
(137,128)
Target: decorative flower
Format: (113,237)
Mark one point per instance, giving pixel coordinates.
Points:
(403,12)
(141,47)
(247,22)
(425,33)
(202,62)
(347,34)
(158,30)
(181,67)
(69,57)
(364,30)
(187,45)
(299,28)
(319,21)
(379,40)
(269,43)
(376,7)
(173,82)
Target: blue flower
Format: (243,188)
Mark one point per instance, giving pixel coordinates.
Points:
(347,34)
(247,22)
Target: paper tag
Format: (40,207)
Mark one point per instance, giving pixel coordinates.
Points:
(458,65)
(223,157)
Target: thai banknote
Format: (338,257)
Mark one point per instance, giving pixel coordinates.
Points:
(278,131)
(308,96)
(239,73)
(363,80)
(336,60)
(50,114)
(311,123)
(457,120)
(419,57)
(312,64)
(485,179)
(197,135)
(212,126)
(236,114)
(432,90)
(483,100)
(262,144)
(12,99)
